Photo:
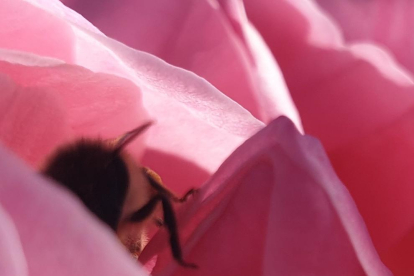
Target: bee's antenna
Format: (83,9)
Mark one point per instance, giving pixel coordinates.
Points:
(128,137)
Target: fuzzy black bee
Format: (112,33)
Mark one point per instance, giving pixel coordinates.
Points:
(118,191)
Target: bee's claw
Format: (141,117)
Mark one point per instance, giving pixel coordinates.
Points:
(187,195)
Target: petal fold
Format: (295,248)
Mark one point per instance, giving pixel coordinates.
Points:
(275,207)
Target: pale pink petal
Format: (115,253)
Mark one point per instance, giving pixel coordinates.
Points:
(217,43)
(18,34)
(12,260)
(275,207)
(359,103)
(60,102)
(197,126)
(270,94)
(58,235)
(388,23)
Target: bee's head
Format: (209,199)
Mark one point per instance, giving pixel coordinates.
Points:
(96,171)
(96,174)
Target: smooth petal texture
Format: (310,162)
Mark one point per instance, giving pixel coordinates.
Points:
(388,23)
(359,103)
(57,234)
(275,207)
(18,34)
(32,120)
(333,86)
(200,37)
(270,93)
(12,260)
(384,160)
(192,116)
(47,103)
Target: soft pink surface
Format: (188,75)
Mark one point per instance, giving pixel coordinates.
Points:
(12,260)
(388,23)
(32,121)
(342,93)
(275,207)
(217,44)
(358,101)
(354,98)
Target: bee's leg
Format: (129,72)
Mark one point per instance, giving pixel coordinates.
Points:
(171,224)
(187,194)
(146,210)
(156,182)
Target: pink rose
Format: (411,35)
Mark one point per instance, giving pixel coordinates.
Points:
(275,206)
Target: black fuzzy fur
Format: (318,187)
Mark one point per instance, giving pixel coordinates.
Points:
(96,174)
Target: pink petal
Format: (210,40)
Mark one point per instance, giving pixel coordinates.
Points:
(378,171)
(389,23)
(322,73)
(23,35)
(218,44)
(192,117)
(270,93)
(275,207)
(32,120)
(57,235)
(359,103)
(61,99)
(12,260)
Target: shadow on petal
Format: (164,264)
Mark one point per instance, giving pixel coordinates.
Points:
(178,174)
(275,207)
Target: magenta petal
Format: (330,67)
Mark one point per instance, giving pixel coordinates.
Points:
(275,207)
(58,236)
